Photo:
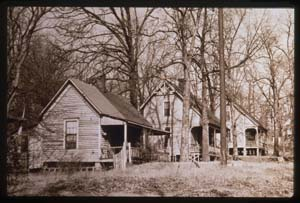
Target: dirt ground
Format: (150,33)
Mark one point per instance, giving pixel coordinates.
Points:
(237,179)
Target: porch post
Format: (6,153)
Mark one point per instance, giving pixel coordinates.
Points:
(99,136)
(144,137)
(125,142)
(189,142)
(245,143)
(214,136)
(257,141)
(125,133)
(147,138)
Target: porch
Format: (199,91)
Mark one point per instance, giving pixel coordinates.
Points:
(195,152)
(125,144)
(254,142)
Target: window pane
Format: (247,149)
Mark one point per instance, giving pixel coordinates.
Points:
(71,145)
(167,108)
(70,141)
(70,137)
(71,124)
(71,127)
(71,134)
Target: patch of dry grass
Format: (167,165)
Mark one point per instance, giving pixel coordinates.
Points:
(238,179)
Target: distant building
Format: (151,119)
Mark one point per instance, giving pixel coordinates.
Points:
(164,109)
(251,134)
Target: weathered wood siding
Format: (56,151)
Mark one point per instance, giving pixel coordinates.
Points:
(70,105)
(154,113)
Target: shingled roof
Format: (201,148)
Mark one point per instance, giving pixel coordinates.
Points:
(106,104)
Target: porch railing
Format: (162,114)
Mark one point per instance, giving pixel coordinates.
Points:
(135,152)
(195,156)
(117,154)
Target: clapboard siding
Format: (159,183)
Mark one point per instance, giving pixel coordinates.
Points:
(70,105)
(242,123)
(154,113)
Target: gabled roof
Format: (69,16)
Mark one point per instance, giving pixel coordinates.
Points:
(126,109)
(246,113)
(106,104)
(195,103)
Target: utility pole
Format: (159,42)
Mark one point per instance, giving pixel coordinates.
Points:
(222,88)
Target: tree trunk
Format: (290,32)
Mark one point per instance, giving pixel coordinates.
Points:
(234,134)
(212,97)
(234,142)
(133,81)
(276,123)
(184,149)
(15,83)
(187,60)
(222,88)
(205,80)
(205,121)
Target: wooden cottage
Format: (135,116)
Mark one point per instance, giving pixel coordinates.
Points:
(83,125)
(164,108)
(251,133)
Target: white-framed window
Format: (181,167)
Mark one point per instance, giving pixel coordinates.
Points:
(166,108)
(71,133)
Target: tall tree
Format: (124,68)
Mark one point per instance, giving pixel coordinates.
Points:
(22,24)
(203,77)
(243,43)
(222,88)
(185,35)
(117,36)
(275,81)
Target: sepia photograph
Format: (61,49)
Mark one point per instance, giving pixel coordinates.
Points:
(150,101)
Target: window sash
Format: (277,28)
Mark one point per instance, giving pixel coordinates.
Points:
(71,127)
(71,133)
(167,108)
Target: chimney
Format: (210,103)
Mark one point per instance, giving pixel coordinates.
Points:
(101,83)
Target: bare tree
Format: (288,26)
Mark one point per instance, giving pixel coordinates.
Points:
(222,88)
(278,77)
(203,77)
(240,55)
(114,36)
(185,40)
(23,23)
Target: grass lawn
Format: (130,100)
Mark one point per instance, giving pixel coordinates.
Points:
(237,179)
